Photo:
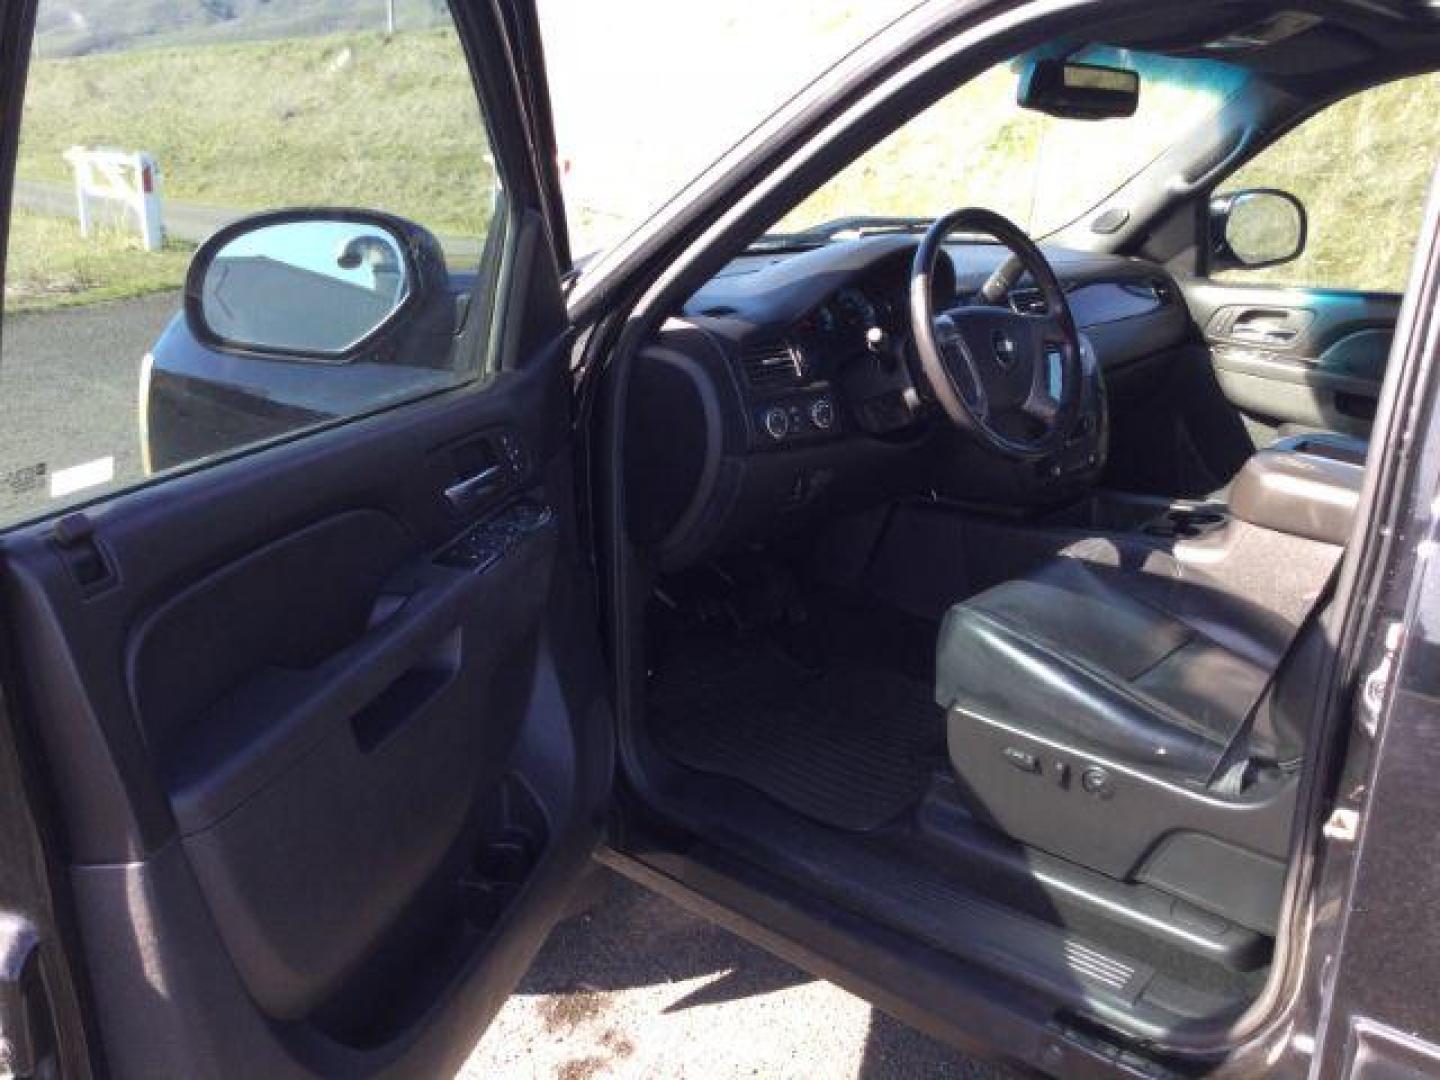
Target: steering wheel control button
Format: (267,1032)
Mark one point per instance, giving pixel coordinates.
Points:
(1022,759)
(822,413)
(1096,781)
(776,422)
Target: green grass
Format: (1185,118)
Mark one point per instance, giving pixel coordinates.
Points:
(1362,169)
(975,148)
(347,119)
(52,266)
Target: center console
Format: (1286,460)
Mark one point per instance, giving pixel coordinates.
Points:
(1306,486)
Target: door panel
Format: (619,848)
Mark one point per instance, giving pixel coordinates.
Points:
(319,730)
(1297,358)
(324,728)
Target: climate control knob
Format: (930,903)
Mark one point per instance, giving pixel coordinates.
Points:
(776,421)
(822,413)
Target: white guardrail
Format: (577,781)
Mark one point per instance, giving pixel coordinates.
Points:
(127,178)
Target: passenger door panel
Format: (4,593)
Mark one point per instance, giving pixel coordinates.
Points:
(1297,358)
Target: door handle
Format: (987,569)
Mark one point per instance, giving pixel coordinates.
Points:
(1268,327)
(1274,331)
(464,494)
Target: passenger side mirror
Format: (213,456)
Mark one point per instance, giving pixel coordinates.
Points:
(1074,91)
(309,284)
(1255,228)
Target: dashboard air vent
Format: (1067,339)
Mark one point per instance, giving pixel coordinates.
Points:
(773,365)
(1028,302)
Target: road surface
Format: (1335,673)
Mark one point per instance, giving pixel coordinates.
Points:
(641,989)
(69,390)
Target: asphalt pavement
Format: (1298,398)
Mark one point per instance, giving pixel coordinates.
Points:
(69,394)
(640,988)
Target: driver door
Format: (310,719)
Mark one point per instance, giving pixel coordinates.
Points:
(304,735)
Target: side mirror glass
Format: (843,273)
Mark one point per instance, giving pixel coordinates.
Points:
(309,284)
(1256,228)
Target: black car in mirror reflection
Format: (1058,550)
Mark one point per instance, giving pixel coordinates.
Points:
(296,318)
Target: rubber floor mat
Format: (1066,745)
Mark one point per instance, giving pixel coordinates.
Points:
(849,746)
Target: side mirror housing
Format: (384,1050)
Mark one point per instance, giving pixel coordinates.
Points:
(324,285)
(1255,228)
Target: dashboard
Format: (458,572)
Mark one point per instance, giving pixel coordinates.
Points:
(788,385)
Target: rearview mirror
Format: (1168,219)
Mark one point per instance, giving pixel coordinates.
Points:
(308,284)
(1079,91)
(1255,228)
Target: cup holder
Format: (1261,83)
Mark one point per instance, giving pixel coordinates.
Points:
(1184,523)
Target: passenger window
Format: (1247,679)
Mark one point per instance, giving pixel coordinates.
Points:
(1362,169)
(147,128)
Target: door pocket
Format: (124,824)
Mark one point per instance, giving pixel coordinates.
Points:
(409,695)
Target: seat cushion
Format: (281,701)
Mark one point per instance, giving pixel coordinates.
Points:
(1143,667)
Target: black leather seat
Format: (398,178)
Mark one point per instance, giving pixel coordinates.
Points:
(1144,668)
(1140,716)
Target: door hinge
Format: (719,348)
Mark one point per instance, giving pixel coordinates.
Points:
(1377,683)
(22,1012)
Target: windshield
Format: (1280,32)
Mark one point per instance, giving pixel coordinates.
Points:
(977,147)
(647,93)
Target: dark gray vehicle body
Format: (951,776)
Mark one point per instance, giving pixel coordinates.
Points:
(142,923)
(198,401)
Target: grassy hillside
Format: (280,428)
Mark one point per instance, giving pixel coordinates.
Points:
(52,266)
(341,119)
(1363,170)
(975,148)
(80,27)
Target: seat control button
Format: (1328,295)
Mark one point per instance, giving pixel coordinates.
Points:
(822,413)
(777,422)
(1025,762)
(1097,782)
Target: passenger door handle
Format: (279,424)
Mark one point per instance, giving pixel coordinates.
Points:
(1278,328)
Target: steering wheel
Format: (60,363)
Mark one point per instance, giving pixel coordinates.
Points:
(990,367)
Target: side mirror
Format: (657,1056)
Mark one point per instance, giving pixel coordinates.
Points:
(312,284)
(1075,91)
(1255,228)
